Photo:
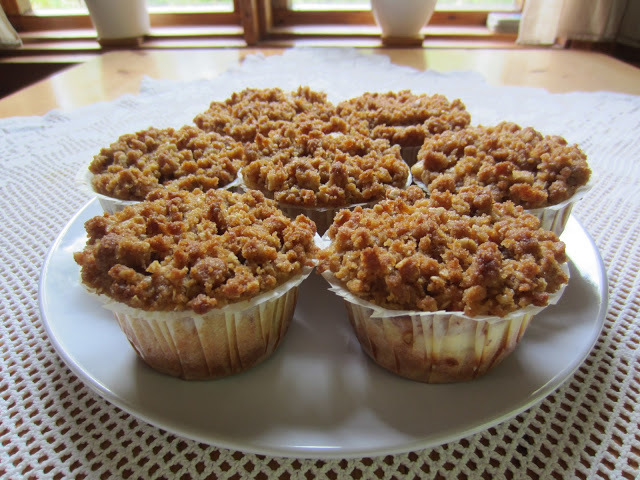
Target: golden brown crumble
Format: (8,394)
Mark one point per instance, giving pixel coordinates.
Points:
(314,164)
(185,158)
(195,251)
(252,112)
(447,252)
(403,118)
(517,164)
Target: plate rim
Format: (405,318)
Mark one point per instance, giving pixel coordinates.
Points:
(303,452)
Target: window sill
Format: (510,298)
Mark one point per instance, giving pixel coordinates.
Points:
(67,43)
(45,52)
(369,35)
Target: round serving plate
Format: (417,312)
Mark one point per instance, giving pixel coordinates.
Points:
(319,396)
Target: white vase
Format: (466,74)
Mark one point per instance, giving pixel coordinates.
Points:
(402,20)
(119,22)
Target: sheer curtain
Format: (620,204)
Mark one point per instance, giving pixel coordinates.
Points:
(543,21)
(8,36)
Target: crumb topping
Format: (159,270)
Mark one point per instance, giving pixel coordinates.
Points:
(516,164)
(403,118)
(182,250)
(252,112)
(461,252)
(317,163)
(184,158)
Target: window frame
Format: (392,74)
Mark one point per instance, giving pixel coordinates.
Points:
(264,22)
(286,25)
(282,14)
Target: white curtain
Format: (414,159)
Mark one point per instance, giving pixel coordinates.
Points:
(8,36)
(544,21)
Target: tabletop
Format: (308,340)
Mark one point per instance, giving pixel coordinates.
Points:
(113,74)
(58,422)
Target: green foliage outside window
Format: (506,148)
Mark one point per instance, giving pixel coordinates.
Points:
(80,5)
(296,4)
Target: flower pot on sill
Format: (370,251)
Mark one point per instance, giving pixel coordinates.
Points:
(401,21)
(119,22)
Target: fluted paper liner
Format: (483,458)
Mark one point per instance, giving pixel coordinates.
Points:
(552,217)
(222,342)
(435,347)
(112,204)
(555,217)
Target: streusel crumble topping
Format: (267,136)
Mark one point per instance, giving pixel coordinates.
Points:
(182,250)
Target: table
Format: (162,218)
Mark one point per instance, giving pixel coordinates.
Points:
(53,426)
(116,73)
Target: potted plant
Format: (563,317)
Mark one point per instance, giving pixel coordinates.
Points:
(119,22)
(401,21)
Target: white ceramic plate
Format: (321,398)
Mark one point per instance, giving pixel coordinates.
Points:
(319,395)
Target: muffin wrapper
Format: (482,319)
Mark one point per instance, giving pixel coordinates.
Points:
(113,205)
(220,343)
(553,217)
(434,347)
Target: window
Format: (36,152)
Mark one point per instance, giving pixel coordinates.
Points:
(323,21)
(45,7)
(53,7)
(235,23)
(190,5)
(366,4)
(330,4)
(174,23)
(477,5)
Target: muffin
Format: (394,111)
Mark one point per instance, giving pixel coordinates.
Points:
(543,174)
(253,111)
(186,158)
(203,284)
(404,118)
(312,167)
(442,289)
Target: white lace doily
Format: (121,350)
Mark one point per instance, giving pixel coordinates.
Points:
(52,426)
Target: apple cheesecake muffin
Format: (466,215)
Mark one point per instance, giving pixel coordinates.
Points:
(185,158)
(540,173)
(203,284)
(441,289)
(404,118)
(312,167)
(254,111)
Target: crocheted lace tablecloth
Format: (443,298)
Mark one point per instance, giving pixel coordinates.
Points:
(54,426)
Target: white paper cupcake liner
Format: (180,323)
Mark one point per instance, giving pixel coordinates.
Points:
(113,205)
(553,217)
(434,347)
(219,343)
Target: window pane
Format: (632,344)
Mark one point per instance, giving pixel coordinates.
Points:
(330,4)
(191,5)
(474,4)
(59,6)
(78,6)
(366,4)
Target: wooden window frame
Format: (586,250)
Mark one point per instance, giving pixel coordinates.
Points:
(254,22)
(284,15)
(26,22)
(281,25)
